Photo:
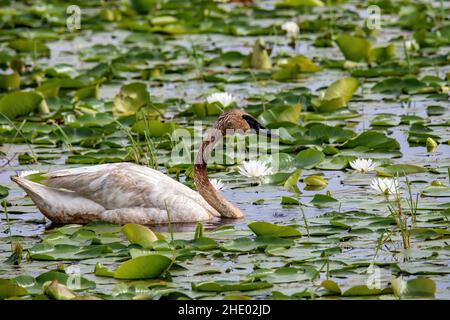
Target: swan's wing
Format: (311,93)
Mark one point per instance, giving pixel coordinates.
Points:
(58,205)
(126,185)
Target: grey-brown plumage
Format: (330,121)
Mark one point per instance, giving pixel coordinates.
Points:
(128,193)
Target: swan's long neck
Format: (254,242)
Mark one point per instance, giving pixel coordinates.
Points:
(206,189)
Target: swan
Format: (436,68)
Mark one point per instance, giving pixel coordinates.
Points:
(124,193)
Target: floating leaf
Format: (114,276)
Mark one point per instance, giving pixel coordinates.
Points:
(315,181)
(436,191)
(154,127)
(372,140)
(281,275)
(382,54)
(400,170)
(280,114)
(32,46)
(143,6)
(222,286)
(102,271)
(420,287)
(308,158)
(354,48)
(261,228)
(4,191)
(361,290)
(240,245)
(139,234)
(17,104)
(407,84)
(338,94)
(73,281)
(291,182)
(301,3)
(322,200)
(258,57)
(130,99)
(289,201)
(9,82)
(58,291)
(9,289)
(295,66)
(143,267)
(331,286)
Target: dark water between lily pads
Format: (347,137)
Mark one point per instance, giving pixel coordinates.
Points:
(339,236)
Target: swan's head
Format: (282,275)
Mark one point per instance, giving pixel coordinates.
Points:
(236,120)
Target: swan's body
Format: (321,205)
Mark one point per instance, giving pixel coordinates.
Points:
(129,193)
(119,193)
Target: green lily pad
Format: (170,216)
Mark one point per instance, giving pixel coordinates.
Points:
(322,200)
(139,234)
(222,286)
(143,267)
(361,290)
(400,170)
(420,287)
(308,158)
(8,290)
(331,286)
(130,99)
(261,228)
(354,48)
(19,103)
(436,191)
(338,94)
(315,181)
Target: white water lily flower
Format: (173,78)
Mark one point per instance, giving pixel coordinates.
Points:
(385,186)
(291,29)
(218,184)
(26,173)
(255,169)
(224,98)
(412,45)
(363,165)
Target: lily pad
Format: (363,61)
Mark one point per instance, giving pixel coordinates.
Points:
(222,286)
(139,234)
(143,267)
(261,228)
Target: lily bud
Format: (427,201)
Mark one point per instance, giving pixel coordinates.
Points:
(431,145)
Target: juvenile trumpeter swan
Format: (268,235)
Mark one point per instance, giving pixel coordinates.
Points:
(129,193)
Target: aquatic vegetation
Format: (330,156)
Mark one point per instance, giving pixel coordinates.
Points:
(363,165)
(254,169)
(218,184)
(224,99)
(349,198)
(386,186)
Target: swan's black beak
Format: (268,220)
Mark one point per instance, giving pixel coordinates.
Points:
(259,129)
